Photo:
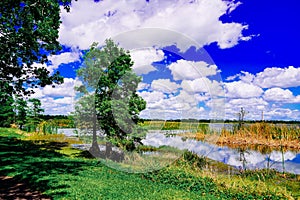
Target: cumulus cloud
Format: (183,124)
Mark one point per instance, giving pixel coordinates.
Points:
(164,85)
(243,76)
(240,89)
(247,103)
(57,106)
(278,77)
(66,89)
(88,22)
(190,70)
(151,97)
(143,86)
(58,100)
(203,85)
(182,105)
(143,59)
(66,57)
(278,94)
(282,113)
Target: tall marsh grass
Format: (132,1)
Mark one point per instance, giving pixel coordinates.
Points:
(265,131)
(44,127)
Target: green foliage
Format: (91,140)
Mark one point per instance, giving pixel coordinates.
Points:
(21,111)
(85,112)
(6,105)
(34,111)
(29,32)
(108,70)
(194,160)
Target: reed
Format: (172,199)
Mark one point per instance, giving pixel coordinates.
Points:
(257,135)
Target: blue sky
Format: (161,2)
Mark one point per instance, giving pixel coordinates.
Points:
(198,59)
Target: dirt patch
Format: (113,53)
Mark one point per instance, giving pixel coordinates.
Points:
(11,188)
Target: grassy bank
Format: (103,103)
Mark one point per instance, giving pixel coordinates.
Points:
(51,166)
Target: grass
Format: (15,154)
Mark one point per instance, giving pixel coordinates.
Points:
(255,136)
(169,125)
(64,173)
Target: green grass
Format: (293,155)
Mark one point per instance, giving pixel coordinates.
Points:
(167,125)
(55,169)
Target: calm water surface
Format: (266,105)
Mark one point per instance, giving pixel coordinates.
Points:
(249,159)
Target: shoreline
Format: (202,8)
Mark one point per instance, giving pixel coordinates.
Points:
(239,141)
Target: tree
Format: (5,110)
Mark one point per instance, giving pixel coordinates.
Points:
(28,33)
(84,114)
(21,111)
(117,103)
(241,116)
(108,72)
(7,113)
(34,112)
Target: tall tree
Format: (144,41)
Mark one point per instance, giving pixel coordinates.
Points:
(118,105)
(108,72)
(28,34)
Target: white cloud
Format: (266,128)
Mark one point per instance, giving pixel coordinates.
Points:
(64,100)
(244,76)
(183,105)
(278,94)
(203,85)
(66,57)
(143,59)
(57,100)
(240,89)
(190,70)
(151,97)
(59,106)
(143,86)
(282,113)
(246,103)
(66,89)
(252,106)
(88,22)
(164,85)
(278,77)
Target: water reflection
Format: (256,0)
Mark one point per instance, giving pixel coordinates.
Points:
(241,158)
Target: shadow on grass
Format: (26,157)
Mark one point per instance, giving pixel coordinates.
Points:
(84,154)
(37,163)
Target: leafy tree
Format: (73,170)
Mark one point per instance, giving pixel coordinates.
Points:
(7,113)
(84,114)
(28,33)
(108,71)
(34,112)
(21,111)
(117,103)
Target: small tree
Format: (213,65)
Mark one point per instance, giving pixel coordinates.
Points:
(21,111)
(34,112)
(241,116)
(7,113)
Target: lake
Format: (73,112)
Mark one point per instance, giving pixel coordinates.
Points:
(250,159)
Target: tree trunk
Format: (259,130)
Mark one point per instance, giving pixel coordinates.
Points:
(95,150)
